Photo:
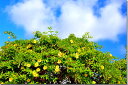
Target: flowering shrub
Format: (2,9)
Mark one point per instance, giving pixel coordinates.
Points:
(47,59)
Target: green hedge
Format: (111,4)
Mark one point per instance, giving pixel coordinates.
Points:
(47,59)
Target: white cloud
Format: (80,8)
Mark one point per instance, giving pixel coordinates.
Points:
(76,17)
(32,15)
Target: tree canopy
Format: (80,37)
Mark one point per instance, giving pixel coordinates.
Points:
(47,59)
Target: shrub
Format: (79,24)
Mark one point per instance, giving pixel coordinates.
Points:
(47,59)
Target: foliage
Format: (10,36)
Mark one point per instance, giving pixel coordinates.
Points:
(47,59)
(11,34)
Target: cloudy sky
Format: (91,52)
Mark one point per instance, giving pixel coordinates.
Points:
(104,19)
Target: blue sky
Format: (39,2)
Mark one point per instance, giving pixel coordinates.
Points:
(104,19)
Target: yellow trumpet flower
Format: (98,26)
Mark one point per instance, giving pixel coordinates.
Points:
(45,67)
(39,60)
(29,46)
(28,80)
(102,67)
(71,41)
(93,82)
(15,45)
(28,65)
(59,61)
(110,55)
(36,64)
(77,55)
(9,37)
(57,69)
(35,74)
(118,82)
(60,54)
(1,83)
(10,79)
(85,75)
(38,69)
(57,66)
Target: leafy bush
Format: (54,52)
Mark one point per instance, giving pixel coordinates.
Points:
(47,59)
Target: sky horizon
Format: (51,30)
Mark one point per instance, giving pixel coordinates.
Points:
(104,19)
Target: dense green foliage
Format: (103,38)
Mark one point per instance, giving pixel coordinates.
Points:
(47,59)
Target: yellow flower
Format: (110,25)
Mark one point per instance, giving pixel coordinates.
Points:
(29,46)
(1,83)
(71,41)
(93,82)
(35,74)
(59,61)
(60,54)
(77,55)
(28,80)
(85,75)
(39,60)
(36,64)
(118,82)
(102,67)
(110,55)
(34,41)
(57,66)
(28,65)
(10,79)
(38,69)
(57,69)
(15,45)
(45,67)
(9,37)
